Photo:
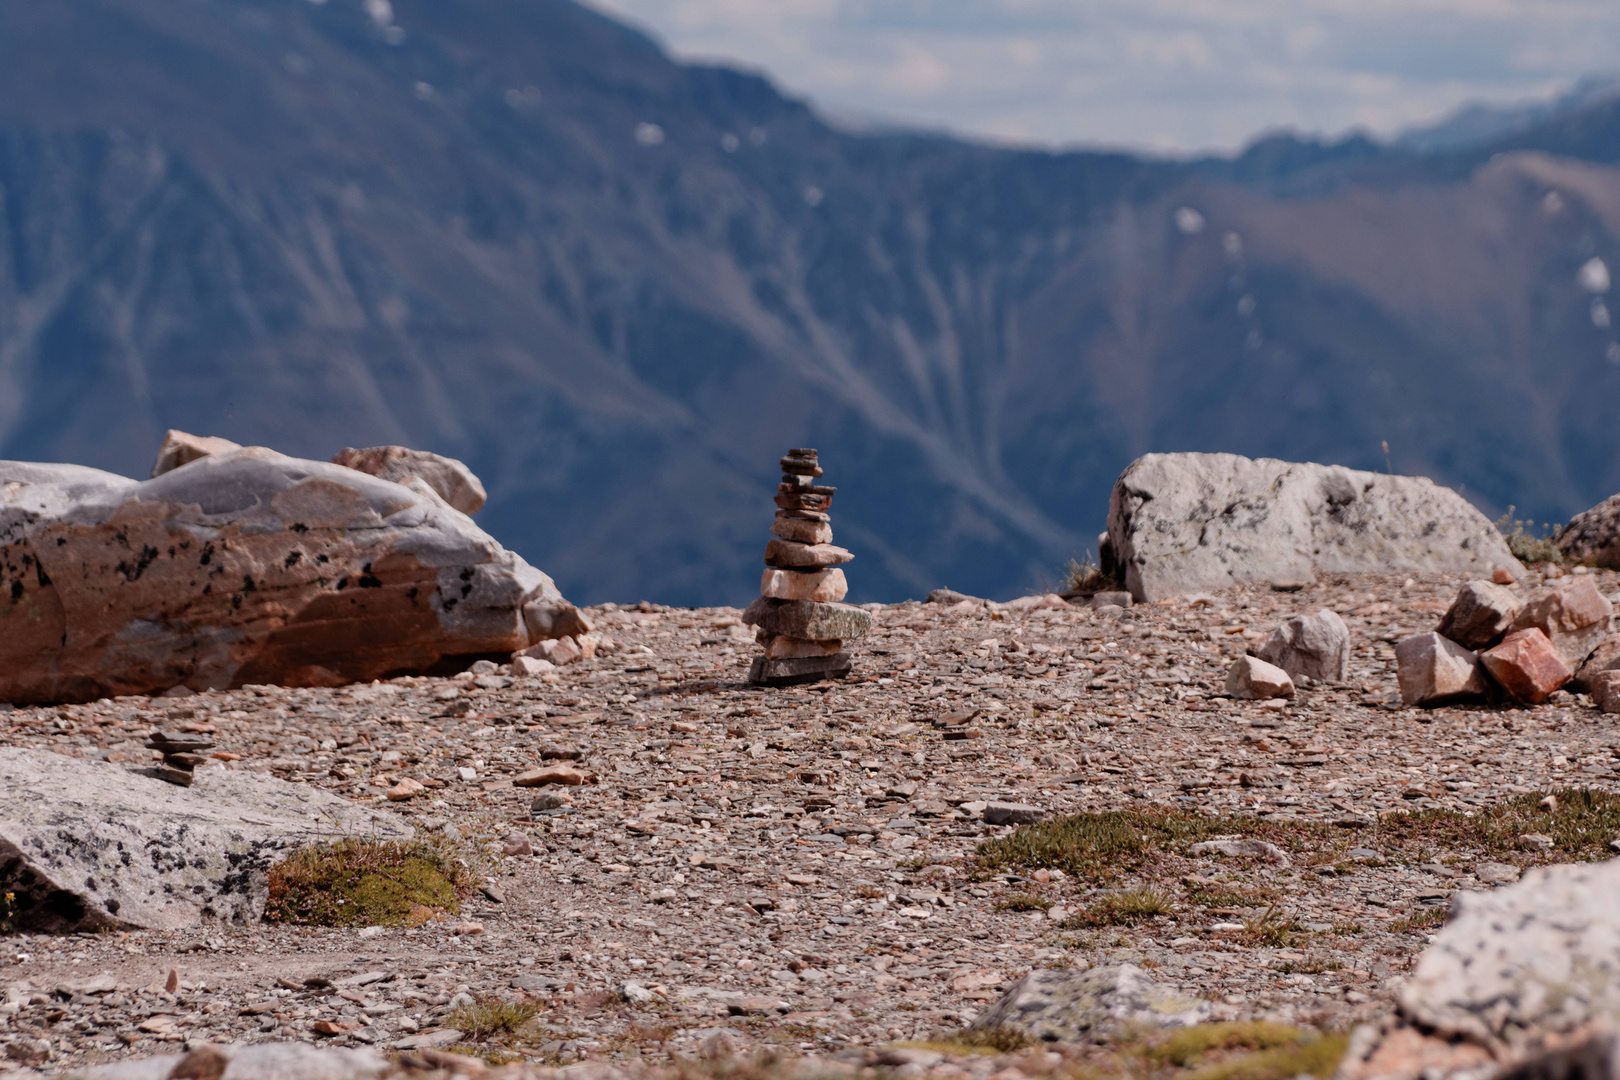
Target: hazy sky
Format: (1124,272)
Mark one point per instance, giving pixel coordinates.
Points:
(1171,75)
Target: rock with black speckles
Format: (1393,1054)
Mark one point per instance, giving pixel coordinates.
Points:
(89,844)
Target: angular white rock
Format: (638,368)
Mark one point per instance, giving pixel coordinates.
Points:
(1251,677)
(1315,646)
(1433,670)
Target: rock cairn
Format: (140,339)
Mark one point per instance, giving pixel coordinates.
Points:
(797,617)
(183,751)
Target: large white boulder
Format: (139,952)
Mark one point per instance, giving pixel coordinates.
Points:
(1180,523)
(244,566)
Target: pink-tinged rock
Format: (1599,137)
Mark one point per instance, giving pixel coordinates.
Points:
(802,530)
(530,666)
(1481,615)
(1527,666)
(562,775)
(786,648)
(1434,670)
(1605,690)
(1574,618)
(1251,677)
(1606,657)
(557,651)
(824,586)
(450,479)
(180,448)
(788,554)
(241,567)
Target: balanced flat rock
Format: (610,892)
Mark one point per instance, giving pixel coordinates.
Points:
(791,555)
(826,586)
(802,530)
(807,619)
(87,844)
(1181,523)
(805,669)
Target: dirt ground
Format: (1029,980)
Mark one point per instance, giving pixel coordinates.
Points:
(802,868)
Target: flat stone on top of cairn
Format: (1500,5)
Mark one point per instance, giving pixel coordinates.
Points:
(797,617)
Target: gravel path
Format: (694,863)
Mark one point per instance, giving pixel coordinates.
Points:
(795,867)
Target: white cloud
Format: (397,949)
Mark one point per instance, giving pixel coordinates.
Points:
(1175,75)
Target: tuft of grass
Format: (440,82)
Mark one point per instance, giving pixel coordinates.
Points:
(1318,1055)
(8,913)
(1581,827)
(1103,845)
(368,883)
(1128,908)
(1085,576)
(1190,1045)
(1106,845)
(997,1040)
(1421,921)
(1529,546)
(1023,902)
(1231,896)
(1271,927)
(491,1018)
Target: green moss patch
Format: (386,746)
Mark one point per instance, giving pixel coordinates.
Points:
(368,883)
(1108,844)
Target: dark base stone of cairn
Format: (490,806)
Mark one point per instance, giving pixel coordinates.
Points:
(182,752)
(795,670)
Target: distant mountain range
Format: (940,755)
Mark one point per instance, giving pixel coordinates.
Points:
(516,232)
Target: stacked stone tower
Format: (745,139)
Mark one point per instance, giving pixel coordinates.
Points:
(797,617)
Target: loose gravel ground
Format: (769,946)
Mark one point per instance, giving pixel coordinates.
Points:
(796,867)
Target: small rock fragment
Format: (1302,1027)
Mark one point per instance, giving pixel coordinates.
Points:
(1252,678)
(406,788)
(1003,813)
(564,775)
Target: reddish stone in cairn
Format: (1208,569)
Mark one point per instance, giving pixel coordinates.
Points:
(1527,666)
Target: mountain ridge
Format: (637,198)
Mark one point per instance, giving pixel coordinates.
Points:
(515,232)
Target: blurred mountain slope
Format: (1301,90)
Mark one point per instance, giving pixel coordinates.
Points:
(514,231)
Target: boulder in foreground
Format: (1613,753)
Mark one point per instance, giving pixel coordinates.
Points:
(252,1061)
(1514,971)
(245,567)
(88,844)
(1074,1006)
(1180,523)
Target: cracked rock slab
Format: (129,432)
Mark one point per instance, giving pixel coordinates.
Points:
(88,844)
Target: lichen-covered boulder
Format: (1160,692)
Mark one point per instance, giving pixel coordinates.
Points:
(1071,1006)
(245,567)
(88,844)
